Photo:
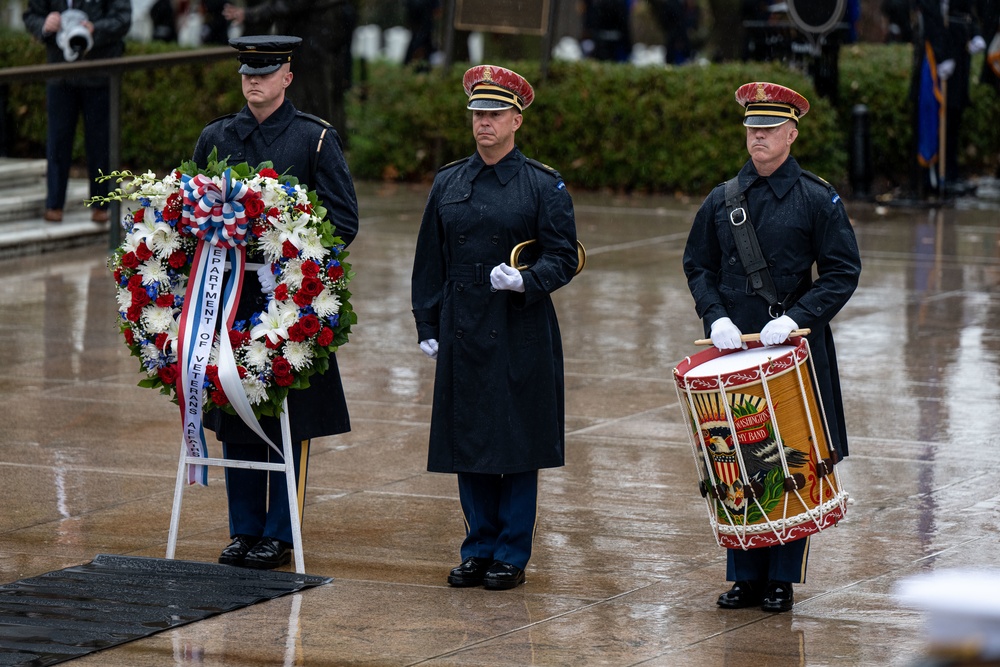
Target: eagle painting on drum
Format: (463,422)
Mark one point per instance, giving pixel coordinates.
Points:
(775,480)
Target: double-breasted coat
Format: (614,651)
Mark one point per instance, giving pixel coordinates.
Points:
(309,149)
(801,224)
(499,388)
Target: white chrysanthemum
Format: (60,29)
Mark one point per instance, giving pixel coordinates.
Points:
(255,389)
(312,245)
(157,320)
(153,271)
(165,244)
(299,355)
(257,356)
(124,298)
(149,352)
(270,245)
(326,303)
(291,275)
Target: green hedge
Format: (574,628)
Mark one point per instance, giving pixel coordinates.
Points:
(668,130)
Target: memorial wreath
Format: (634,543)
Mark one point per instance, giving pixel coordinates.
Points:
(181,232)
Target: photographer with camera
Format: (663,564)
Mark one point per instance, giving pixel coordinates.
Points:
(78,30)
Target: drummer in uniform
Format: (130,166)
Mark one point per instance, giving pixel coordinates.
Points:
(800,225)
(499,412)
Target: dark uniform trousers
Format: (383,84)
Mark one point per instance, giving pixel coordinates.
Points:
(784,562)
(258,499)
(500,513)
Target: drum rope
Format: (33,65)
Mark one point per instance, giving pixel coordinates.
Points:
(839,491)
(695,435)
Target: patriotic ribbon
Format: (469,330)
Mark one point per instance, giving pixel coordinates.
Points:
(216,215)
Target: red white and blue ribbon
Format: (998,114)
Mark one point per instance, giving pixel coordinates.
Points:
(216,214)
(219,221)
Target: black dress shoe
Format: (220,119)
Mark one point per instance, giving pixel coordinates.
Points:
(778,597)
(502,576)
(470,572)
(743,594)
(268,554)
(237,550)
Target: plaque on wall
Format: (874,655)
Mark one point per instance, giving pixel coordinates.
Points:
(519,17)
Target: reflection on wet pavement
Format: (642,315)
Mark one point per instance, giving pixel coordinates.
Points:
(625,569)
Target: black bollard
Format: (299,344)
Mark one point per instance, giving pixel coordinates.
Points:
(860,152)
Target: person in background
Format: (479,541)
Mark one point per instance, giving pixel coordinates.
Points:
(100,35)
(269,128)
(499,408)
(801,226)
(327,29)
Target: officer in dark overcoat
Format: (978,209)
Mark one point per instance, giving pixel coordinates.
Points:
(269,128)
(498,414)
(800,224)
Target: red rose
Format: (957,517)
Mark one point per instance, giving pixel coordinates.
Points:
(281,292)
(273,346)
(135,282)
(325,337)
(143,252)
(311,286)
(254,207)
(310,325)
(160,340)
(280,367)
(242,371)
(235,338)
(295,333)
(273,212)
(268,173)
(304,208)
(212,374)
(140,298)
(139,215)
(310,269)
(165,301)
(129,337)
(133,313)
(118,276)
(218,397)
(288,250)
(168,374)
(177,259)
(301,299)
(130,261)
(336,272)
(284,381)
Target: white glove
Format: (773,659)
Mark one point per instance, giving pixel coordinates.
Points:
(726,335)
(946,69)
(266,278)
(776,331)
(504,277)
(430,347)
(976,44)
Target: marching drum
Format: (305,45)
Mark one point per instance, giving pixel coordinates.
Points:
(775,481)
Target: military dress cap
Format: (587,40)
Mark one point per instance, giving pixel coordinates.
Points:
(263,54)
(493,88)
(770,105)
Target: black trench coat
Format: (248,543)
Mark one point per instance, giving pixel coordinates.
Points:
(498,390)
(292,141)
(800,223)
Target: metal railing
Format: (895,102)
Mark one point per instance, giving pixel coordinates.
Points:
(113,68)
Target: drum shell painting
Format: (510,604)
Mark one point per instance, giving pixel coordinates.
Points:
(760,494)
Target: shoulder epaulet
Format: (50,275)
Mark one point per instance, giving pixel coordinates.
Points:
(834,196)
(216,120)
(315,119)
(544,167)
(455,163)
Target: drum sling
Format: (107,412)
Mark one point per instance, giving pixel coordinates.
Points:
(746,244)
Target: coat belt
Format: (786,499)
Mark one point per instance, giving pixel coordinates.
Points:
(478,274)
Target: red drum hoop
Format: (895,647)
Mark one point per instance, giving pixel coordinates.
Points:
(758,493)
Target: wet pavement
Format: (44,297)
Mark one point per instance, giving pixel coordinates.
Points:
(625,569)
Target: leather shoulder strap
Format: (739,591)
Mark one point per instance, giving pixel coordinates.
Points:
(748,248)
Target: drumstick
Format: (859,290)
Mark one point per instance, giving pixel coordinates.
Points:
(755,337)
